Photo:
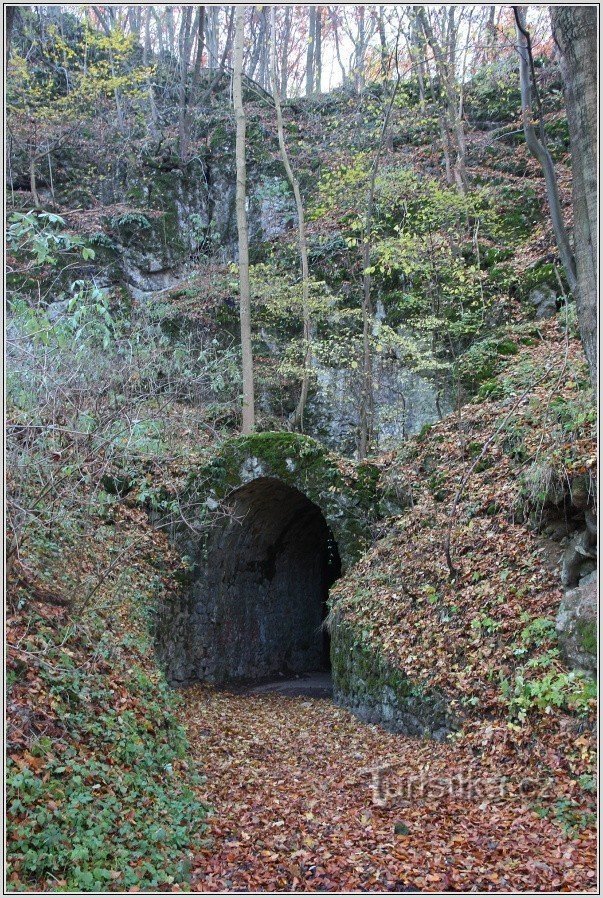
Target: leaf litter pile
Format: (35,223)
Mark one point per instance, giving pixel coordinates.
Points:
(296,805)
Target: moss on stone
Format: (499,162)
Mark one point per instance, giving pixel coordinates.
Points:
(353,662)
(348,500)
(587,633)
(377,691)
(507,347)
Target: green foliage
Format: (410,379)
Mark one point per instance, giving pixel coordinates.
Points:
(130,221)
(482,623)
(554,689)
(493,93)
(34,237)
(436,294)
(62,79)
(539,630)
(569,815)
(39,242)
(574,415)
(95,821)
(96,386)
(519,211)
(102,803)
(587,632)
(341,190)
(587,782)
(482,360)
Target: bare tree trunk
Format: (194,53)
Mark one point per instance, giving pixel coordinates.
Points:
(360,50)
(160,37)
(538,146)
(285,51)
(225,56)
(212,38)
(32,180)
(200,31)
(264,50)
(133,18)
(310,51)
(383,43)
(491,35)
(185,46)
(146,46)
(186,130)
(257,49)
(245,293)
(367,399)
(575,33)
(445,65)
(445,136)
(335,24)
(104,22)
(169,18)
(318,51)
(416,49)
(8,34)
(460,132)
(298,418)
(50,176)
(146,54)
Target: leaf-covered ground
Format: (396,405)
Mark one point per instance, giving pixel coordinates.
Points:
(293,794)
(524,453)
(103,784)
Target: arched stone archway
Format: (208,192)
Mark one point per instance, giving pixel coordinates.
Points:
(275,520)
(270,564)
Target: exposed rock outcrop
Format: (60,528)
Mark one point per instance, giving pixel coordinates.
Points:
(579,558)
(544,300)
(577,625)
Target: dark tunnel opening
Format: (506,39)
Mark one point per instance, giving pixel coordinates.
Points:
(270,566)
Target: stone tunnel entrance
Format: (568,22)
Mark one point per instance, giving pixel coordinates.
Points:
(272,520)
(268,523)
(270,566)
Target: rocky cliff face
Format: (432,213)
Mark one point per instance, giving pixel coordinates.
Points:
(190,218)
(194,204)
(404,403)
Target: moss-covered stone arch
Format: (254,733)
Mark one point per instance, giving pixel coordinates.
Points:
(347,494)
(265,514)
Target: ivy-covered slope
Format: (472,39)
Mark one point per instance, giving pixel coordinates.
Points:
(100,796)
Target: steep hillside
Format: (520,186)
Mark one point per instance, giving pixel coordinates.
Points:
(507,488)
(507,482)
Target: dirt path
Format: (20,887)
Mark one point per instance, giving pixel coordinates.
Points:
(312,685)
(290,784)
